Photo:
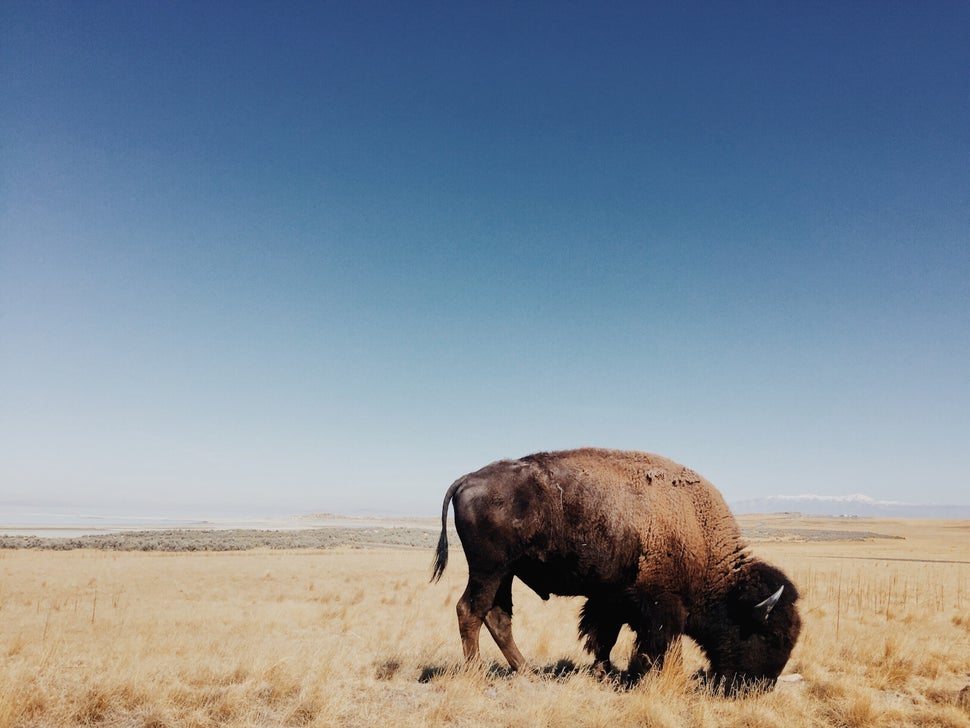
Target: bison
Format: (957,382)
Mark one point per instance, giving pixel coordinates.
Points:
(648,542)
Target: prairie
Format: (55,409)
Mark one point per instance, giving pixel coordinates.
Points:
(356,636)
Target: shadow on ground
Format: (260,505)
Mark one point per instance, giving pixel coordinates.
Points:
(556,671)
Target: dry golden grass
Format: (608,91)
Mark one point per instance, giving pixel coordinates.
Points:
(359,638)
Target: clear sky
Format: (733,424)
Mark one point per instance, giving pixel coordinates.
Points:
(330,256)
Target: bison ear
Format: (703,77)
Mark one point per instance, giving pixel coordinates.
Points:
(763,609)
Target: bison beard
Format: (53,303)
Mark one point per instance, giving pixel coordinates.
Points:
(649,542)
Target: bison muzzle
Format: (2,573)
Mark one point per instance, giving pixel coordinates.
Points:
(648,542)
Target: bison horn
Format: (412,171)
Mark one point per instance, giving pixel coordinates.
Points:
(764,608)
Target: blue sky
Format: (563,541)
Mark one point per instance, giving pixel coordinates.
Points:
(330,256)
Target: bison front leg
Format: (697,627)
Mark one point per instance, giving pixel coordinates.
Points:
(661,622)
(649,652)
(600,623)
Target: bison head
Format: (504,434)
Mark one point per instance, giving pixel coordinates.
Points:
(749,633)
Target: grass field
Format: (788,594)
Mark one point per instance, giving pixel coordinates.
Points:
(358,637)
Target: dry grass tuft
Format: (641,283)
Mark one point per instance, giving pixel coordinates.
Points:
(387,669)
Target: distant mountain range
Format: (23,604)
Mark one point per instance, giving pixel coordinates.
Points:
(856,505)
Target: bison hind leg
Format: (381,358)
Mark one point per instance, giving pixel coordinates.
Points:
(488,601)
(600,622)
(498,620)
(469,622)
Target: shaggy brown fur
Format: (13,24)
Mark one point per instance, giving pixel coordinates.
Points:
(650,543)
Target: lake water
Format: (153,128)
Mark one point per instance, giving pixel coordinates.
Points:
(68,522)
(52,521)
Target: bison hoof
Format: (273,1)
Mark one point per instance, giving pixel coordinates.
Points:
(603,670)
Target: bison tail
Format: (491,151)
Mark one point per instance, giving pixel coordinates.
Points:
(440,557)
(441,553)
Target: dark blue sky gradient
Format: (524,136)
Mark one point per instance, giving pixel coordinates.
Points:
(331,256)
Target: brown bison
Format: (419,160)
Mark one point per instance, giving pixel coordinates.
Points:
(648,542)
